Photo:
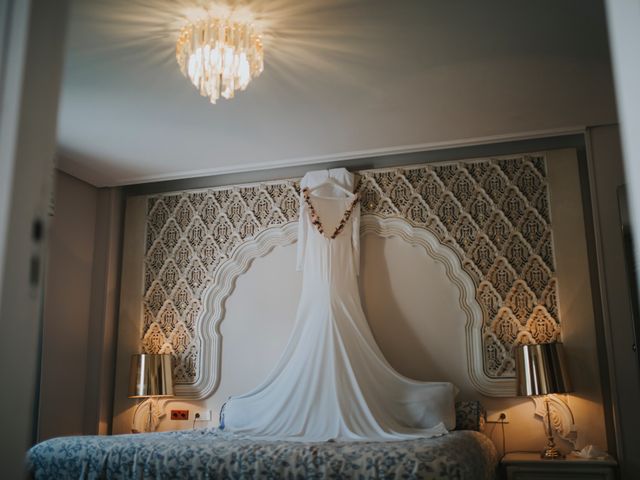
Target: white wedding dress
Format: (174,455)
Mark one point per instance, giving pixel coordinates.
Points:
(332,381)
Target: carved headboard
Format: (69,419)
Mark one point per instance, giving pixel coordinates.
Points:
(488,219)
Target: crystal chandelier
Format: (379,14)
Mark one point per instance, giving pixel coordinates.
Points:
(220,56)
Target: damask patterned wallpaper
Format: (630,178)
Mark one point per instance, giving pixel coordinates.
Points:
(494,213)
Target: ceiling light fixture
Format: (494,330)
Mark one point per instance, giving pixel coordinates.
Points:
(220,56)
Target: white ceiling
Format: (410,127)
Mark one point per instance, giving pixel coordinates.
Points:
(343,78)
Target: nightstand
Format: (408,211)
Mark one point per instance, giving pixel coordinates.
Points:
(529,466)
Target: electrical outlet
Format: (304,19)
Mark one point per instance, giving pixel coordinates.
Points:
(497,417)
(202,415)
(179,414)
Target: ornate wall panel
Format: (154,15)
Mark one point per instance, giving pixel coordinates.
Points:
(493,213)
(189,236)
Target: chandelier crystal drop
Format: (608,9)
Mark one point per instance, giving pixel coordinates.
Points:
(220,56)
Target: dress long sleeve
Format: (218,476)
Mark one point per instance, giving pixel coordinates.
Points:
(355,238)
(301,248)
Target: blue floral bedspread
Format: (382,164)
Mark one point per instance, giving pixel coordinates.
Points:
(215,454)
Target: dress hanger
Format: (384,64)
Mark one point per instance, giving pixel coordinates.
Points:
(332,182)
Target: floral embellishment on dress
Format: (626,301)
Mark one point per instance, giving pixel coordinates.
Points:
(315,218)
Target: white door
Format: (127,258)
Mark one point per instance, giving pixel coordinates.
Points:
(31,46)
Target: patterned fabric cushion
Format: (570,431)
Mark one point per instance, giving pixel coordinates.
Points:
(470,415)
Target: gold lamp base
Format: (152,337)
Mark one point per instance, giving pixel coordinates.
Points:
(551,453)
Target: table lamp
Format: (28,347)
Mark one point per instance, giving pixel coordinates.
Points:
(542,370)
(150,376)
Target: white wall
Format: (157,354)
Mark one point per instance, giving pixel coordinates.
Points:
(624,368)
(623,17)
(67,308)
(80,310)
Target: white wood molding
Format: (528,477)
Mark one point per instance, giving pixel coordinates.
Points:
(398,227)
(209,334)
(322,159)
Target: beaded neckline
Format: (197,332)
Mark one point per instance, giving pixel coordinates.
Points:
(315,218)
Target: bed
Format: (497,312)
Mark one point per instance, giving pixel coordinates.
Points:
(210,453)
